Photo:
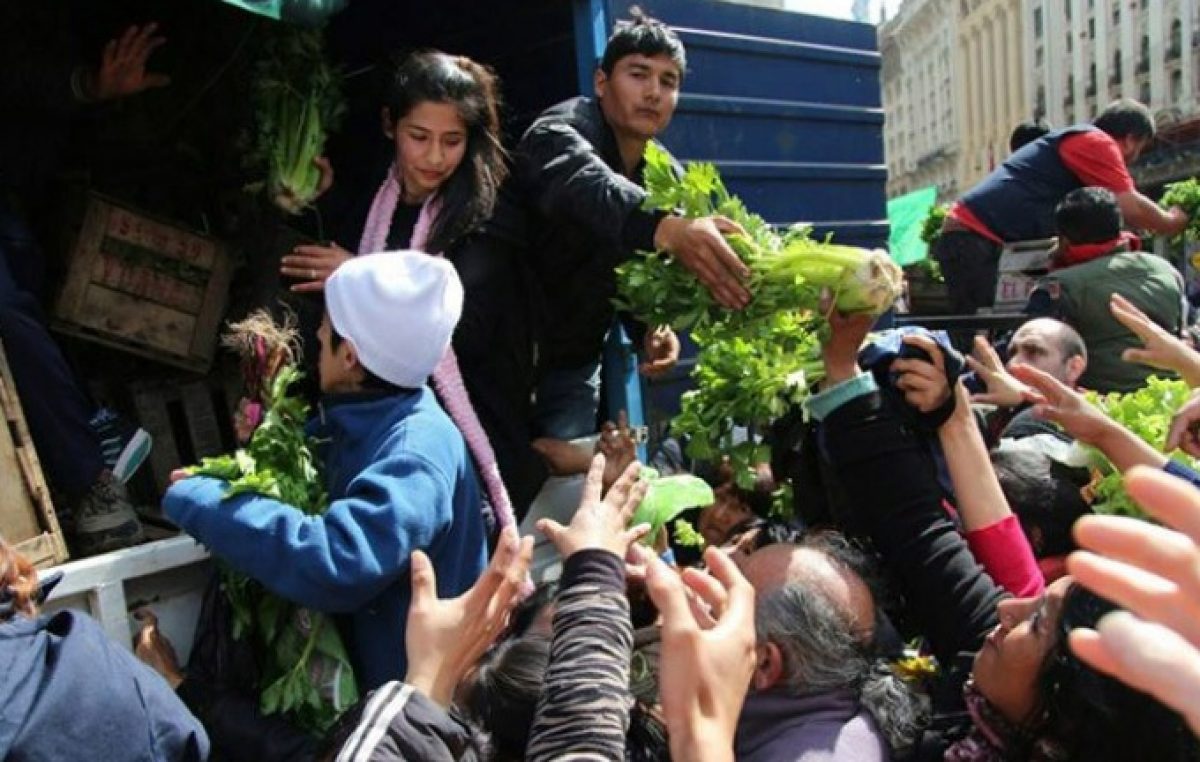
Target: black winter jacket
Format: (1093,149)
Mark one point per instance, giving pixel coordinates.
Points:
(584,218)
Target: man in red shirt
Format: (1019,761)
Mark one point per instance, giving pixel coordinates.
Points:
(1016,201)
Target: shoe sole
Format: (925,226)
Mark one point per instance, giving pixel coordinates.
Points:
(133,456)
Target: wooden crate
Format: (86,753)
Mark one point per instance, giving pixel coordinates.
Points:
(27,518)
(145,286)
(188,420)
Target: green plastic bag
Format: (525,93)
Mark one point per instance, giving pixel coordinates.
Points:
(906,214)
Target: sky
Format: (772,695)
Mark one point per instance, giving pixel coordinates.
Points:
(840,8)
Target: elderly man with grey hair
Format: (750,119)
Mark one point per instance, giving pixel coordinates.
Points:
(817,693)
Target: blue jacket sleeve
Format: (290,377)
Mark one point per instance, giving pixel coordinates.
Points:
(1175,468)
(335,562)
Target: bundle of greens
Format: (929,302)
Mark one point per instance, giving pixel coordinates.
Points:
(1146,412)
(666,498)
(297,101)
(932,227)
(1185,194)
(306,671)
(757,362)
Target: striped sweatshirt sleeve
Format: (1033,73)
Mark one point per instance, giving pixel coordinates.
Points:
(583,712)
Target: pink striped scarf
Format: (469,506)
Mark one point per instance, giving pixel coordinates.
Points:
(447,379)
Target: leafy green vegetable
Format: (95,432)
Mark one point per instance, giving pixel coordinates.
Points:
(1185,194)
(1146,412)
(755,363)
(297,101)
(932,227)
(685,534)
(667,497)
(306,670)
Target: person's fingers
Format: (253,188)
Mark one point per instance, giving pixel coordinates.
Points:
(634,534)
(986,353)
(148,48)
(310,287)
(1151,597)
(1169,499)
(109,55)
(1131,317)
(1049,386)
(926,343)
(1139,356)
(1154,548)
(511,575)
(551,530)
(984,371)
(920,369)
(1147,656)
(126,39)
(740,601)
(424,580)
(619,493)
(593,485)
(1087,644)
(728,226)
(1181,425)
(707,589)
(667,593)
(622,420)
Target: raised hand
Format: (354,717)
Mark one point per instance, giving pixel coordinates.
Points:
(600,523)
(445,638)
(1154,572)
(122,70)
(707,656)
(1003,389)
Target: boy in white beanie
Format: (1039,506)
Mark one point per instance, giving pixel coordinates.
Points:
(397,470)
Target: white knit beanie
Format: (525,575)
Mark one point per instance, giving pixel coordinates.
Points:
(398,309)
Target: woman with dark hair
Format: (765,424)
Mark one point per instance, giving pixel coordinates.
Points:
(1026,696)
(69,692)
(439,195)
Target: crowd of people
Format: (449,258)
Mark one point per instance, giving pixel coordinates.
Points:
(941,593)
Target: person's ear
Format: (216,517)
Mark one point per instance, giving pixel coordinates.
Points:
(768,671)
(1076,365)
(600,82)
(387,124)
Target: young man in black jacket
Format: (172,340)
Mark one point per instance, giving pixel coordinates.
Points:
(579,171)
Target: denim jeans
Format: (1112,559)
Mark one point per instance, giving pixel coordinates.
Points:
(56,407)
(567,402)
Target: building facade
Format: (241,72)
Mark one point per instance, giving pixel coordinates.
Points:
(921,132)
(993,92)
(1083,54)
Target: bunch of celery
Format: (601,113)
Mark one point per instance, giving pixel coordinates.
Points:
(754,364)
(297,102)
(306,671)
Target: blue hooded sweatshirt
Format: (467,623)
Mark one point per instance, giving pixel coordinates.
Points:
(399,479)
(67,691)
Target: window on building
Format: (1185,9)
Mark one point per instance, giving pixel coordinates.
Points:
(1144,61)
(1116,14)
(1091,86)
(1092,28)
(1176,39)
(1144,93)
(1067,8)
(1041,99)
(1039,56)
(1037,22)
(1176,86)
(1115,77)
(1070,42)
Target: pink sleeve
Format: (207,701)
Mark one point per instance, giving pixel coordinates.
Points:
(1004,552)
